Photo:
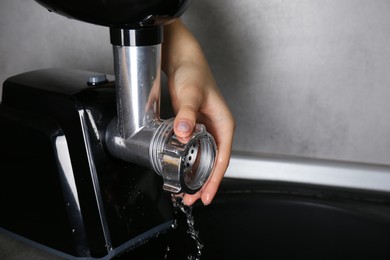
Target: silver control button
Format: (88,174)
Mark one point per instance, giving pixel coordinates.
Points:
(97,79)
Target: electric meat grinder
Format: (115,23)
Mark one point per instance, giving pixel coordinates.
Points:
(78,149)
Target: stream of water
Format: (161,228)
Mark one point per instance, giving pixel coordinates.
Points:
(191,231)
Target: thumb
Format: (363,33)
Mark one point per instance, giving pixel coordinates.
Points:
(186,116)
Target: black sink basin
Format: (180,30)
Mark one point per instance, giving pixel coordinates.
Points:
(254,220)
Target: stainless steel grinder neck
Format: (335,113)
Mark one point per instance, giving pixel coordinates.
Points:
(138,135)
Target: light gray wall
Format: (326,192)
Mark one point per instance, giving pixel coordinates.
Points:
(33,38)
(303,77)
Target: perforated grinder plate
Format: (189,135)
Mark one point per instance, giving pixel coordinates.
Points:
(191,155)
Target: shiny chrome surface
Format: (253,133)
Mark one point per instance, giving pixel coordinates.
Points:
(184,166)
(137,73)
(92,169)
(309,171)
(134,149)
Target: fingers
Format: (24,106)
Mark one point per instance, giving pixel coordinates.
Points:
(221,166)
(190,199)
(210,189)
(223,132)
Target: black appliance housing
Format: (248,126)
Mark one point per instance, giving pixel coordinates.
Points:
(59,187)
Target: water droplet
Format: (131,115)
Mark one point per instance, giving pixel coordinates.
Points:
(167,250)
(174,224)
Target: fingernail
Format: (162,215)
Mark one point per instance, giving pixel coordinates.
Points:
(183,127)
(206,200)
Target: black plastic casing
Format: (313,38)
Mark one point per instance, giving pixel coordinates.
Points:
(119,13)
(110,205)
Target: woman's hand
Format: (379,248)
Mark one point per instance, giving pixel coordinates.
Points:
(196,98)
